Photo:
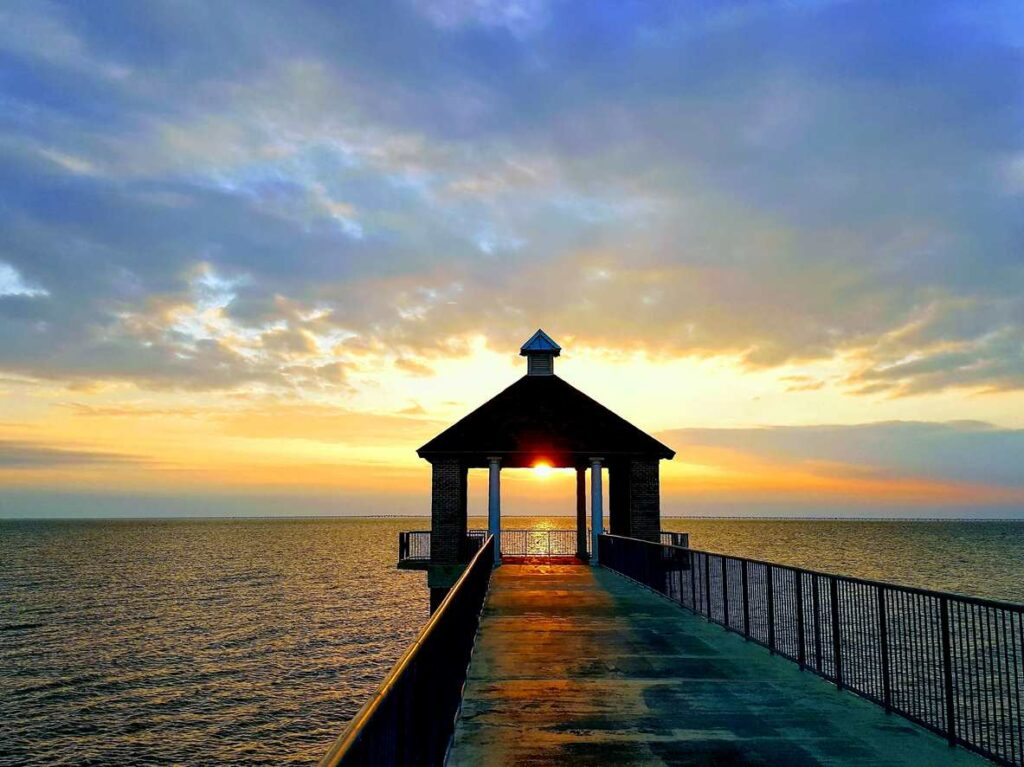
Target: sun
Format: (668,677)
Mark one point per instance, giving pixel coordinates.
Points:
(541,469)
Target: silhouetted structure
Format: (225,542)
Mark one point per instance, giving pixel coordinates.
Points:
(541,419)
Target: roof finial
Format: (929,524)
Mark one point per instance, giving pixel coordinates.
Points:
(540,352)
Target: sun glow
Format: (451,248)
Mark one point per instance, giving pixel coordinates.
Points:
(542,469)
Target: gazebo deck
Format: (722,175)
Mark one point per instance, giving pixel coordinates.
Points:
(577,665)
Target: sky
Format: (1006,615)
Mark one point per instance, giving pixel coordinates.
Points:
(253,254)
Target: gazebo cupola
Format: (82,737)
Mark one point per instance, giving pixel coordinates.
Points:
(541,419)
(540,352)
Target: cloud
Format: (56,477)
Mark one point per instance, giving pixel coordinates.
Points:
(970,453)
(519,17)
(28,455)
(255,195)
(12,284)
(331,425)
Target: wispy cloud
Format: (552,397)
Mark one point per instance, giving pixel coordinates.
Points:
(972,453)
(28,455)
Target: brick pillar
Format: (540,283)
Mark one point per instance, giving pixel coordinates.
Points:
(448,512)
(645,500)
(618,499)
(581,512)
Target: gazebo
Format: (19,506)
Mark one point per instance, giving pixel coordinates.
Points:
(541,419)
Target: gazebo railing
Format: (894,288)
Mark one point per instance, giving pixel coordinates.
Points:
(414,545)
(538,543)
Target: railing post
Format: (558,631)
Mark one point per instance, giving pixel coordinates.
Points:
(801,657)
(679,573)
(707,584)
(837,649)
(816,597)
(770,588)
(693,580)
(883,646)
(746,600)
(947,671)
(725,595)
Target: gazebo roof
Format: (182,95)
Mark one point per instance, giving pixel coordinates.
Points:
(543,418)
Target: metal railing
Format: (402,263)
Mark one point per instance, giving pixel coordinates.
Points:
(675,539)
(538,543)
(414,545)
(954,664)
(411,718)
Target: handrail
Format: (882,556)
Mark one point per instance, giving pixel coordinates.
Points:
(421,695)
(951,663)
(984,601)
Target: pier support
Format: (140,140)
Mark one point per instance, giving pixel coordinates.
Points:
(494,505)
(596,507)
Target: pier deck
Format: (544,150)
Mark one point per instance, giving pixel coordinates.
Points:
(577,665)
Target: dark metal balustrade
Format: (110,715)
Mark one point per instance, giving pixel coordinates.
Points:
(538,543)
(954,664)
(675,539)
(411,718)
(414,545)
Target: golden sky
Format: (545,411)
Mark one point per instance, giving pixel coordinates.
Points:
(114,438)
(250,261)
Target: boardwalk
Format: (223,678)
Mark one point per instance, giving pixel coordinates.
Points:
(575,665)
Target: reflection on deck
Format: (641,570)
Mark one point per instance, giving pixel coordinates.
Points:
(577,665)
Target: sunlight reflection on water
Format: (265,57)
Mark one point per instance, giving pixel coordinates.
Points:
(195,642)
(254,641)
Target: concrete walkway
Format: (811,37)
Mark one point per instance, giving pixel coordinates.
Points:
(578,666)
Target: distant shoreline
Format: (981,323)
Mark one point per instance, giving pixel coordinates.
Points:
(308,517)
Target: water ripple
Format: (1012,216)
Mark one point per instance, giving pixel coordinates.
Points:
(195,642)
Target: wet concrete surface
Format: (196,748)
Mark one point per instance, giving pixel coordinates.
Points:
(578,666)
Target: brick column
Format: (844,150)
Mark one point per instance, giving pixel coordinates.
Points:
(645,500)
(581,512)
(596,507)
(618,499)
(447,511)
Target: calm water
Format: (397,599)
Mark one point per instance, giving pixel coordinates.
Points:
(978,558)
(253,641)
(195,642)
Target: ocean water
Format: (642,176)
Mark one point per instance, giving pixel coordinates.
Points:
(207,642)
(980,558)
(195,642)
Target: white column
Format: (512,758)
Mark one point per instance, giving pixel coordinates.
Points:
(596,507)
(494,506)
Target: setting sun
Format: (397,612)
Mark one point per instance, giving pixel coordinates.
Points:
(542,469)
